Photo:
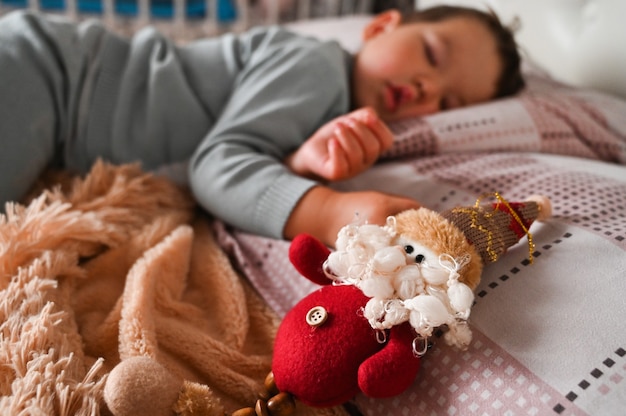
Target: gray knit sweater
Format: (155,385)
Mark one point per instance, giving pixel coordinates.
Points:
(232,106)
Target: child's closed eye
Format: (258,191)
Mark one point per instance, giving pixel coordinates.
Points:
(430,54)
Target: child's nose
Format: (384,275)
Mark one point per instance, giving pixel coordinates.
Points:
(429,96)
(430,93)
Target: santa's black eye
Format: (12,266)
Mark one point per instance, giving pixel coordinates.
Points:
(408,249)
(419,258)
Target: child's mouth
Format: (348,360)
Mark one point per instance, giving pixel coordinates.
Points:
(396,95)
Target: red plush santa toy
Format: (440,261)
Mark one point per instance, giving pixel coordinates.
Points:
(384,290)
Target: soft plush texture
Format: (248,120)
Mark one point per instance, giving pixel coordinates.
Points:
(319,366)
(430,229)
(141,386)
(116,280)
(329,364)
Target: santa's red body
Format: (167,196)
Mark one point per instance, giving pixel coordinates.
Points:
(328,358)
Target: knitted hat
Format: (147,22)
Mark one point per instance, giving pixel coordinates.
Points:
(493,228)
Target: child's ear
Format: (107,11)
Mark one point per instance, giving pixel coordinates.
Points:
(382,22)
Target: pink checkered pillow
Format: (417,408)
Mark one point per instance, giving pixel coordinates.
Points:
(547,117)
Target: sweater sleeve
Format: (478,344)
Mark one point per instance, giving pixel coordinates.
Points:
(287,87)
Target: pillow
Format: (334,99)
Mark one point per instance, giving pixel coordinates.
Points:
(547,116)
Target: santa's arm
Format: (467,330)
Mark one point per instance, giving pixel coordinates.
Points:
(391,370)
(308,254)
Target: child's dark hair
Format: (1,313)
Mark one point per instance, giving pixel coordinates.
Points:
(511,80)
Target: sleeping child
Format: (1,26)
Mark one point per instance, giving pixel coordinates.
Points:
(265,120)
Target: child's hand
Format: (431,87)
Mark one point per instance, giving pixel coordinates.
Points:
(343,147)
(322,212)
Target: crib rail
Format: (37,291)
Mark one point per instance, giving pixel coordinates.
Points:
(186,19)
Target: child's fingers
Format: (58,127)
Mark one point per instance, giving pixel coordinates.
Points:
(370,144)
(351,145)
(370,118)
(384,135)
(337,166)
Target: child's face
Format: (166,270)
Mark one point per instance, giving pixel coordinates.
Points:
(407,70)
